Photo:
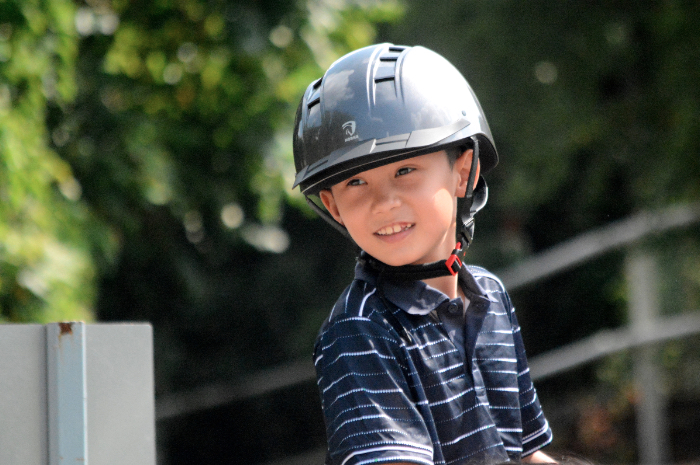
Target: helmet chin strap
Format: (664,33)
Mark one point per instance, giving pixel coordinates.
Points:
(467,212)
(328,218)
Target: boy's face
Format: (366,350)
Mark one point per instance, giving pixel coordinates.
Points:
(404,212)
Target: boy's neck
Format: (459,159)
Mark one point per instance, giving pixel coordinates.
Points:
(448,285)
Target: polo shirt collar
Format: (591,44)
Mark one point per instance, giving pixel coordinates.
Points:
(418,298)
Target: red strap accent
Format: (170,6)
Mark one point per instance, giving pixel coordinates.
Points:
(453,258)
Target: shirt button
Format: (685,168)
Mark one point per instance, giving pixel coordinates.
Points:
(453,309)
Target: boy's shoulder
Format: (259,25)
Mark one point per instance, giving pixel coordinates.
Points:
(359,314)
(359,301)
(485,278)
(491,286)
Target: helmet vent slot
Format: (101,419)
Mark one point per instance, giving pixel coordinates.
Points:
(383,79)
(315,97)
(386,67)
(385,73)
(313,102)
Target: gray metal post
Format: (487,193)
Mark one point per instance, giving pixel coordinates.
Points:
(652,421)
(67,393)
(23,405)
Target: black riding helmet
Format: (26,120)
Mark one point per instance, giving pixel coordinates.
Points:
(381,104)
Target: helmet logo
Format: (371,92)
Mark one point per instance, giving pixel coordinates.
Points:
(349,130)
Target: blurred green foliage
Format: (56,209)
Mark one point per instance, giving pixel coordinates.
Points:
(48,237)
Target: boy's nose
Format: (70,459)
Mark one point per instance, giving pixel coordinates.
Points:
(385,199)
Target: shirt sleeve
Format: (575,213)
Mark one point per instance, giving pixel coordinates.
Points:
(536,430)
(362,371)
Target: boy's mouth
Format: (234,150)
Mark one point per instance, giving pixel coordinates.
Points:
(394,229)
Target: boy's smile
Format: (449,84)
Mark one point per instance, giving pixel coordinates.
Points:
(392,230)
(403,212)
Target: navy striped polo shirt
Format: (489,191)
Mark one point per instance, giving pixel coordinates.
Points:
(396,387)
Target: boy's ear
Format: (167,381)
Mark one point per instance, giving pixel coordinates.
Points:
(463,166)
(329,202)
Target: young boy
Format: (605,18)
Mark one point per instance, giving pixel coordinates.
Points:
(421,359)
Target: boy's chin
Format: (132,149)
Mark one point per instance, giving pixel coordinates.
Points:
(394,261)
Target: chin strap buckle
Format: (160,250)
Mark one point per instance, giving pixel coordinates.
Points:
(454,263)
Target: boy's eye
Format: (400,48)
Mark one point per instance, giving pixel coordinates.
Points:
(355,182)
(403,171)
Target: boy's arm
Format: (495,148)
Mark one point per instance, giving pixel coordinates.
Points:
(539,457)
(365,395)
(536,432)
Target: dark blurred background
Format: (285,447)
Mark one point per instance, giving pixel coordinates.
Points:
(146,174)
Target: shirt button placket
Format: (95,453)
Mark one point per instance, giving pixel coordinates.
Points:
(453,309)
